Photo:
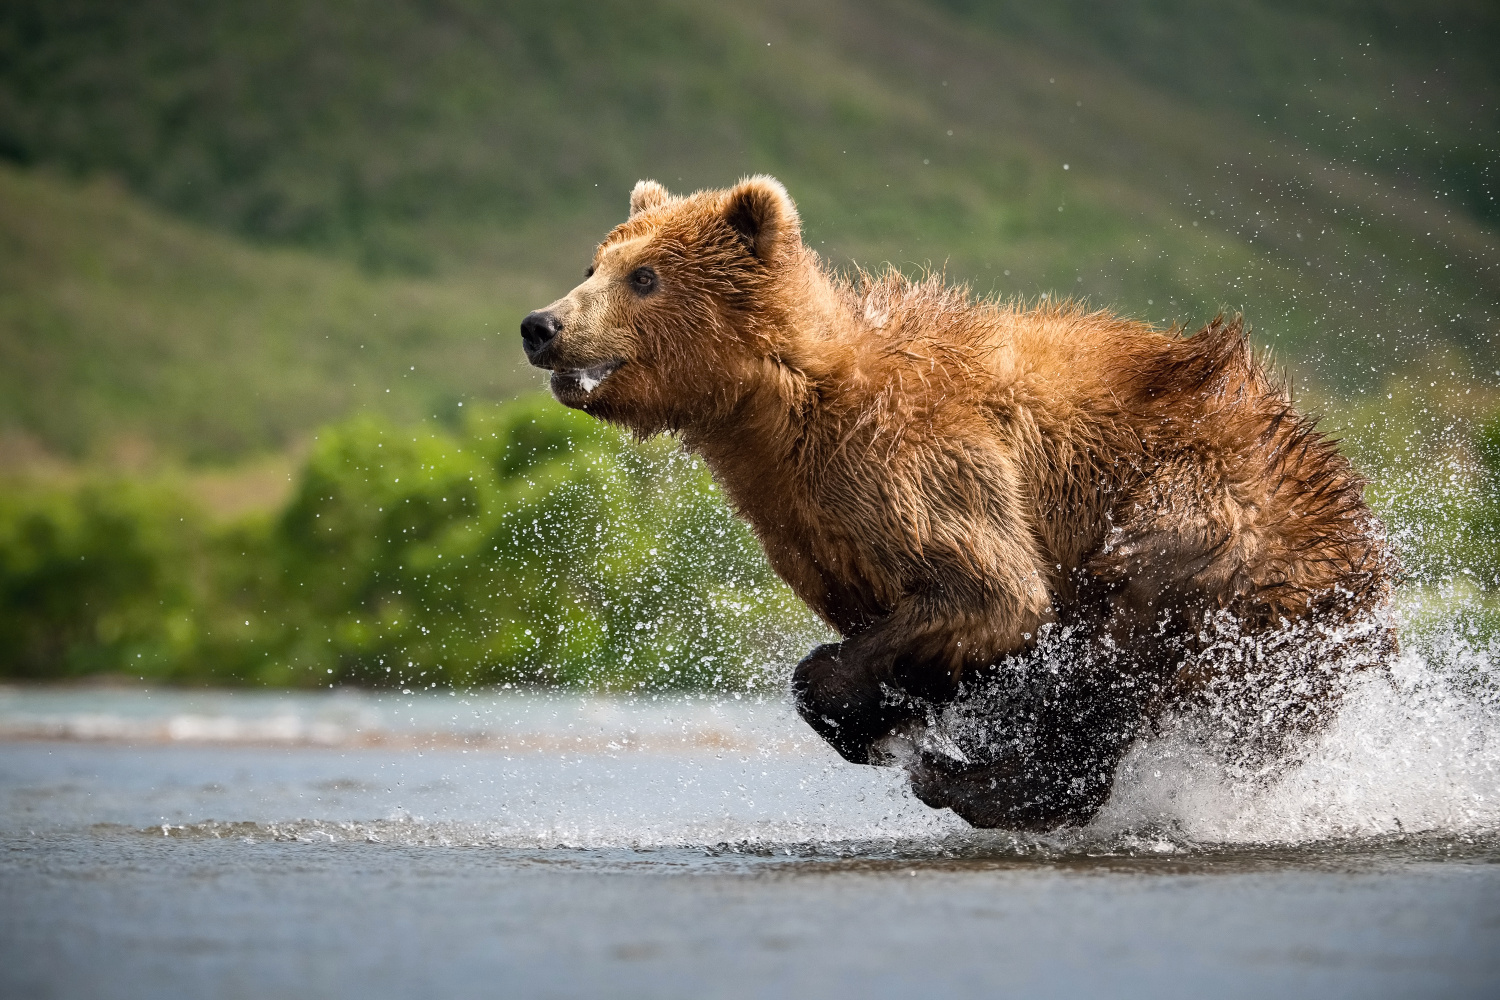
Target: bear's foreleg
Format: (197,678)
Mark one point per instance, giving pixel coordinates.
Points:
(857,691)
(844,704)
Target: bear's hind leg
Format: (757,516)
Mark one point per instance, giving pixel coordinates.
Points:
(1051,746)
(1049,758)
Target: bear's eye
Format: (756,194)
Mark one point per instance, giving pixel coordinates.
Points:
(588,272)
(643,281)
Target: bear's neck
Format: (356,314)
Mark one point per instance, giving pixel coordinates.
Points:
(753,451)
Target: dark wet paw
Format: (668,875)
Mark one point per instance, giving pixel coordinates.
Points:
(1002,795)
(842,703)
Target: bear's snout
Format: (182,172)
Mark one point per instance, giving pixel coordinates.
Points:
(538,330)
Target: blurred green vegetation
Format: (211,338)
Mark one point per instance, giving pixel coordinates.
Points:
(1431,449)
(529,545)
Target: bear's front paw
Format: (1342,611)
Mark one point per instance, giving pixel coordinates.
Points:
(843,703)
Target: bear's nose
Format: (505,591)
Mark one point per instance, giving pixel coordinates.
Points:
(537,331)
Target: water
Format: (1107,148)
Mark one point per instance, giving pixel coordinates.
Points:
(343,844)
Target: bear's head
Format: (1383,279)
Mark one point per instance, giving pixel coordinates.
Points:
(680,312)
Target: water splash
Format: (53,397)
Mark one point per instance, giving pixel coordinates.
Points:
(1414,749)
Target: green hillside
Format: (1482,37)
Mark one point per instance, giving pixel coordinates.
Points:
(413,175)
(121,329)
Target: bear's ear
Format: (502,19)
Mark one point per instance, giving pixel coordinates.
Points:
(761,212)
(647,195)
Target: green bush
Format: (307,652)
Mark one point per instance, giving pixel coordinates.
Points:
(531,546)
(1433,459)
(98,578)
(535,546)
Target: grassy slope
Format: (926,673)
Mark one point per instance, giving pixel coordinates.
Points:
(1319,165)
(1394,86)
(119,327)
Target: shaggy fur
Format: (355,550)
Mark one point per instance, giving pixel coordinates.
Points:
(943,480)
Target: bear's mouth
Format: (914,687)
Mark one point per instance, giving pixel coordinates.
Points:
(584,380)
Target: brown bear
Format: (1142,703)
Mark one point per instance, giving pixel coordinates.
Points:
(950,482)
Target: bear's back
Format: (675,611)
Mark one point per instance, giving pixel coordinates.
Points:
(1099,416)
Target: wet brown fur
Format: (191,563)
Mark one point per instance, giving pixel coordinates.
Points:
(940,477)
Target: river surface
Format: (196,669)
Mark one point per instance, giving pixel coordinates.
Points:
(169,843)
